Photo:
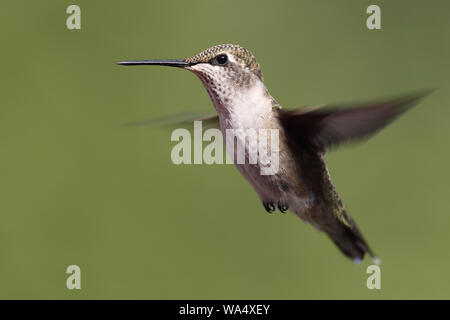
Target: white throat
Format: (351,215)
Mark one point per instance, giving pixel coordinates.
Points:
(245,108)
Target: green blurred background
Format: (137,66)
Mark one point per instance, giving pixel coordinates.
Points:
(79,187)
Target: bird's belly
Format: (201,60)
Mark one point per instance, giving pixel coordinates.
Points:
(247,158)
(283,187)
(266,186)
(277,189)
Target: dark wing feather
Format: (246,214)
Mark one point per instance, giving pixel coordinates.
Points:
(184,120)
(321,128)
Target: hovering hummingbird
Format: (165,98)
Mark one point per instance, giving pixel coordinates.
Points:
(234,82)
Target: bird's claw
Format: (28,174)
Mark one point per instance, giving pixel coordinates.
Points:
(269,206)
(282,207)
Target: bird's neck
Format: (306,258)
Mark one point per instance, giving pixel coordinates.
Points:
(245,107)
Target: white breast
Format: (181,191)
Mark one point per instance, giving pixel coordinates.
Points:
(248,108)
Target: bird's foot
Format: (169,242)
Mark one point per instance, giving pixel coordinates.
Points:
(269,206)
(282,207)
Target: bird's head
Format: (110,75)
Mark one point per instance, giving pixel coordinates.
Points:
(223,69)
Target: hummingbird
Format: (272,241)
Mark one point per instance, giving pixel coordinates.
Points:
(234,82)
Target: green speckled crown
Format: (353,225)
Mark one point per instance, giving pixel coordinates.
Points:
(239,52)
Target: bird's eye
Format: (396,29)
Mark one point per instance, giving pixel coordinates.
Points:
(222,59)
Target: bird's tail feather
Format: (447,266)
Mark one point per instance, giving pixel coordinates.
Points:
(351,242)
(340,228)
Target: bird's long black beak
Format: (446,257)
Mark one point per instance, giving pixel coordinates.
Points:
(168,62)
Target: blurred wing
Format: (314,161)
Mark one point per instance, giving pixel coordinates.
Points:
(182,120)
(321,128)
